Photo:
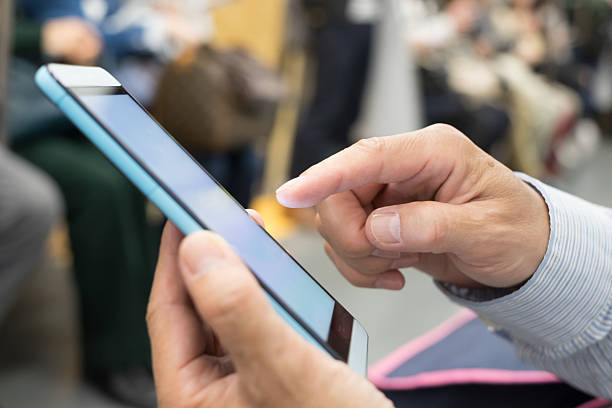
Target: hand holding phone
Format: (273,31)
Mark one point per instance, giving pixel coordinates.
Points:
(226,362)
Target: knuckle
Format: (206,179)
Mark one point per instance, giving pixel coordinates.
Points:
(437,230)
(354,276)
(150,315)
(199,400)
(225,303)
(445,129)
(366,267)
(320,225)
(372,145)
(362,283)
(344,243)
(356,279)
(448,133)
(153,312)
(324,220)
(327,248)
(350,247)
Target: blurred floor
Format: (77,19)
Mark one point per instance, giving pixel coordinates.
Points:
(390,318)
(591,181)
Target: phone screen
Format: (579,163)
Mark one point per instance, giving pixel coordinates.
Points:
(192,187)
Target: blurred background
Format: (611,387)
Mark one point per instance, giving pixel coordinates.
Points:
(259,90)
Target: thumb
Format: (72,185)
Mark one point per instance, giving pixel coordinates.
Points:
(420,226)
(229,299)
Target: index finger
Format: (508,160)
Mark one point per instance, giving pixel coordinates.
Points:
(375,160)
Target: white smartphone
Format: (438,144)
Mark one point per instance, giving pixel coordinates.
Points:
(163,170)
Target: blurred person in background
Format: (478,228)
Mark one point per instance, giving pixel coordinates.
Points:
(29,201)
(530,43)
(109,233)
(341,32)
(433,30)
(111,242)
(483,72)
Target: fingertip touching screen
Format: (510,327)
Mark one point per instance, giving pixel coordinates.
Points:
(159,154)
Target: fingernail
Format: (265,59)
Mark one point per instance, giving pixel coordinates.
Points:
(287,185)
(386,254)
(385,228)
(212,258)
(286,201)
(392,282)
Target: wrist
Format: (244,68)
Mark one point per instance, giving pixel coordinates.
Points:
(538,218)
(477,294)
(518,239)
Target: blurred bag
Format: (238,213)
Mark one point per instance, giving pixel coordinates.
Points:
(217,101)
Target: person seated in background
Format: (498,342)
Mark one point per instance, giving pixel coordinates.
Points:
(527,41)
(436,31)
(111,240)
(30,204)
(482,70)
(532,260)
(109,233)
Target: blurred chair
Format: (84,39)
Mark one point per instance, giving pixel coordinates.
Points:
(341,49)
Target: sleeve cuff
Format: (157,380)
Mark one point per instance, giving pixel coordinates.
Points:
(566,305)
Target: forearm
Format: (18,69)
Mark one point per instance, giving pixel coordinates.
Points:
(561,319)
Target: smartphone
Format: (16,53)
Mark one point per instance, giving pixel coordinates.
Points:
(191,198)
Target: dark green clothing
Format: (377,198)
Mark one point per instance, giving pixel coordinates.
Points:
(26,38)
(112,244)
(113,257)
